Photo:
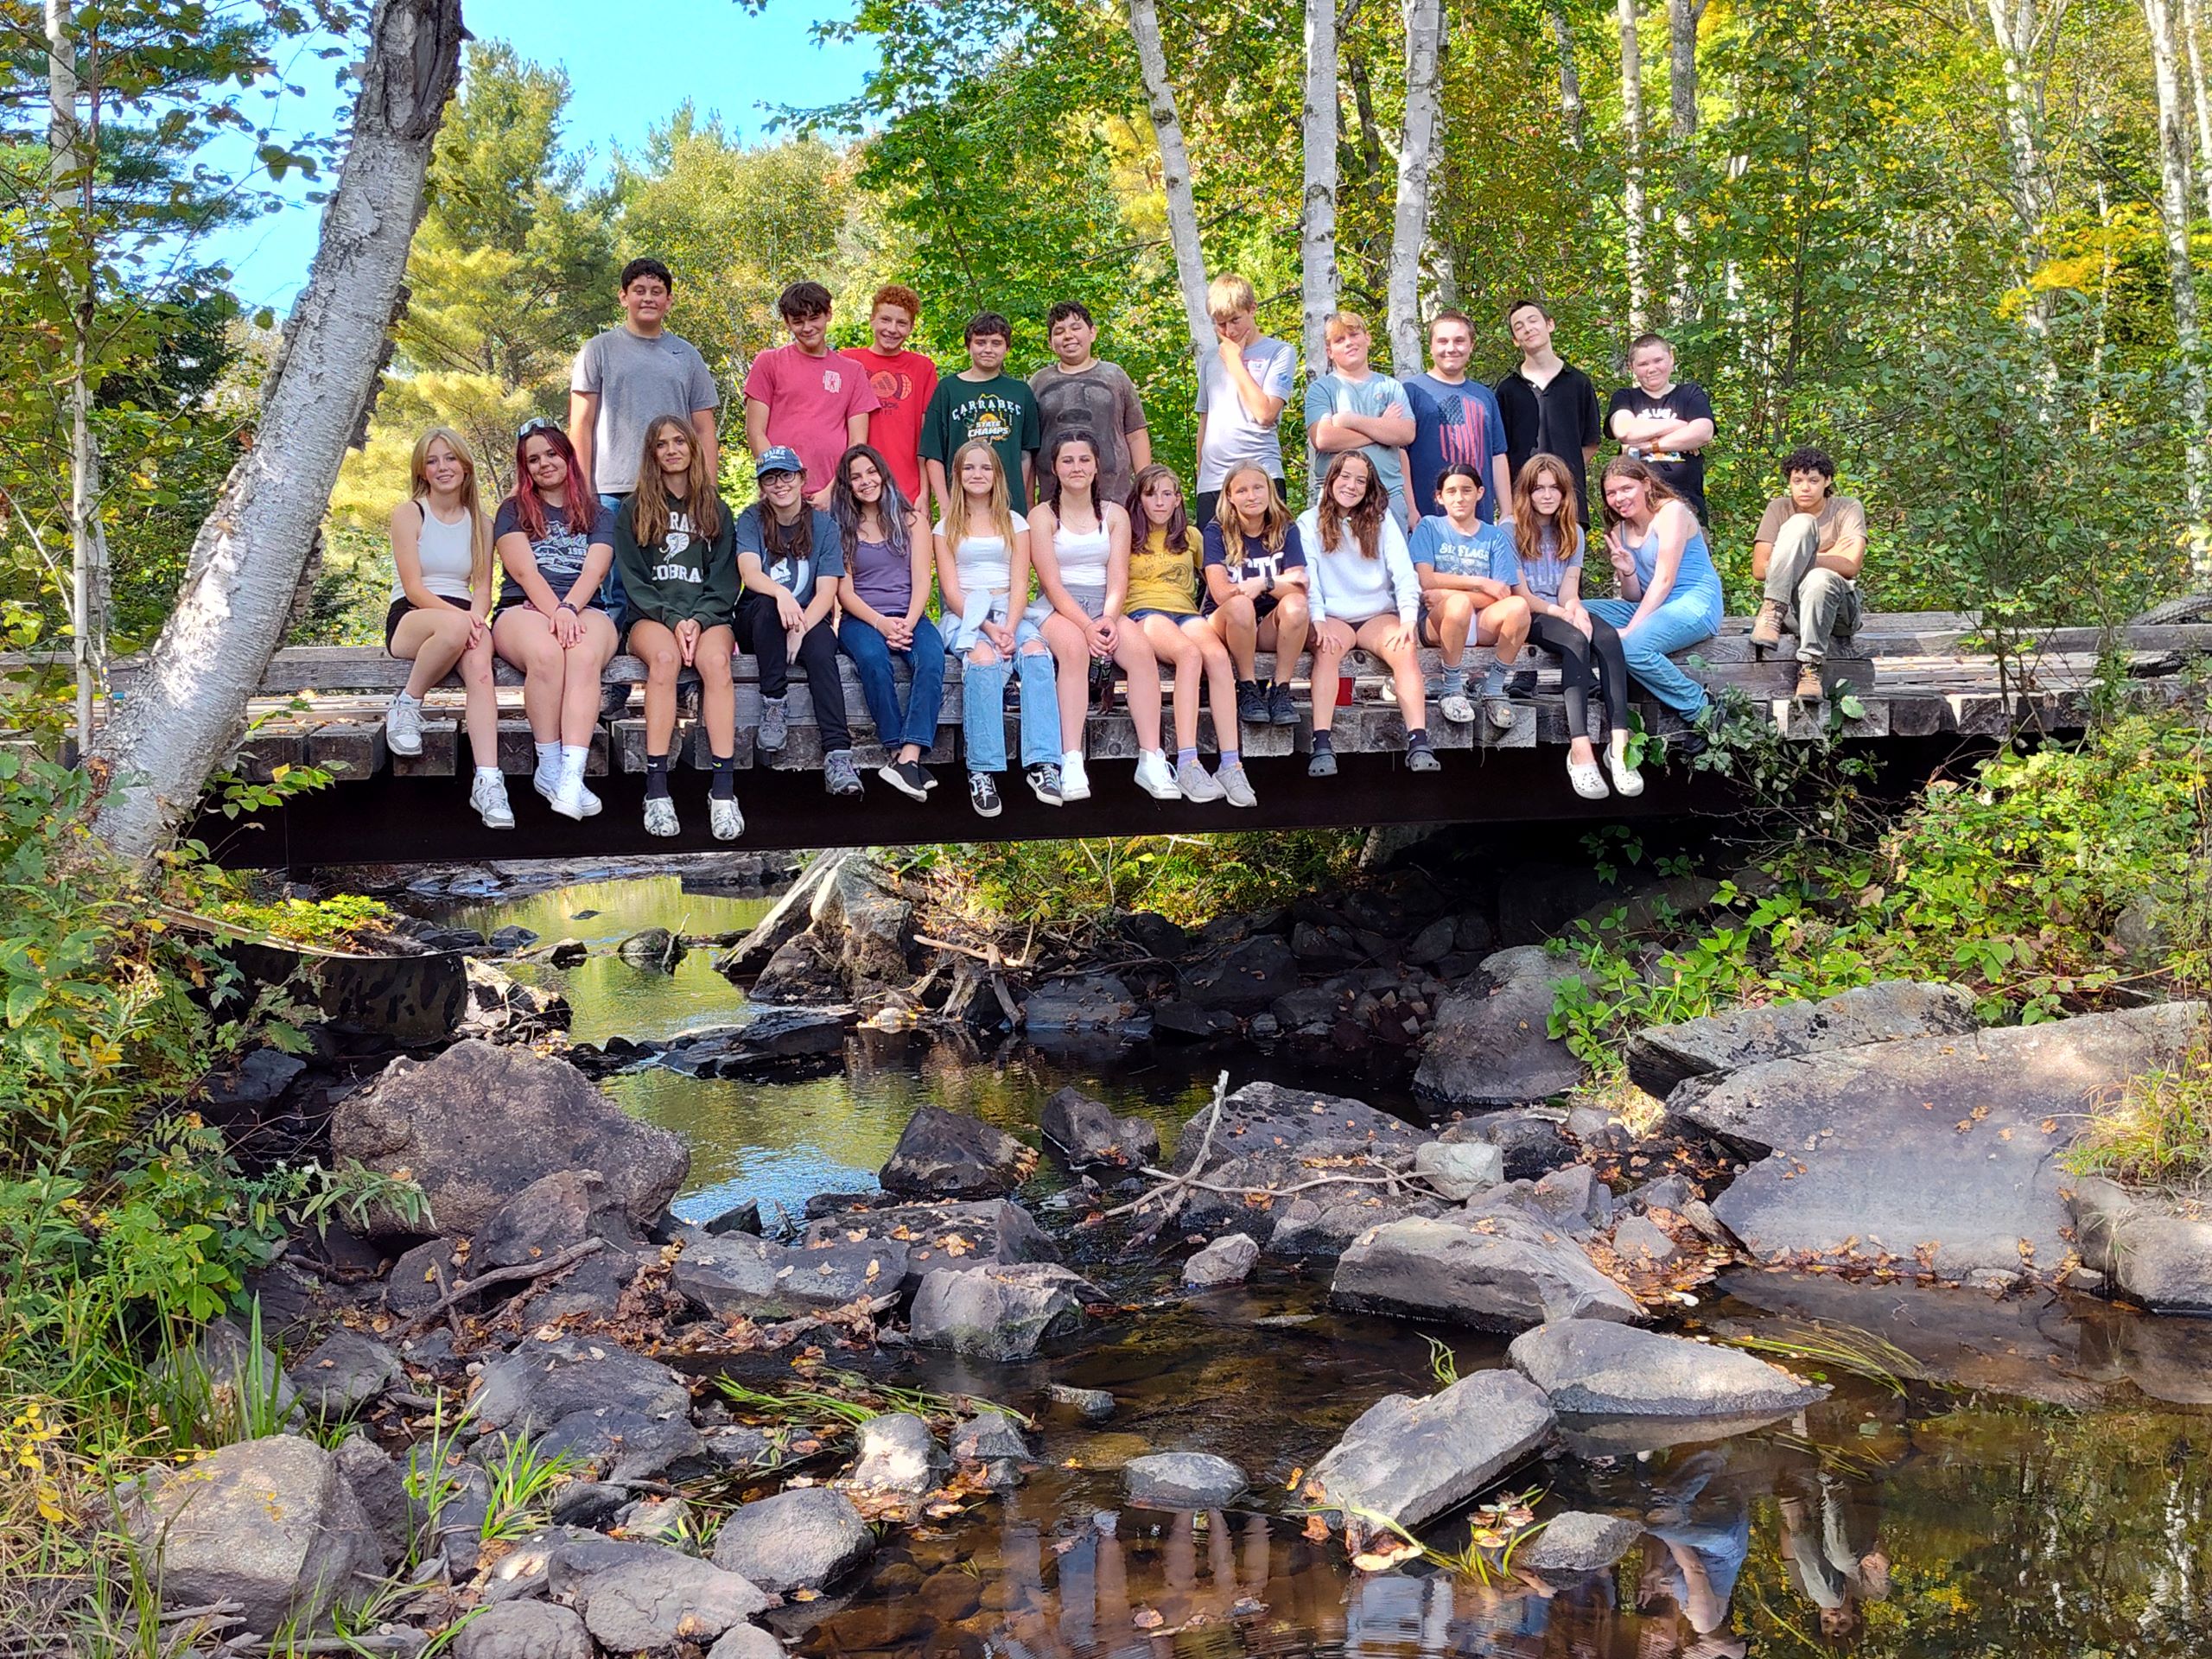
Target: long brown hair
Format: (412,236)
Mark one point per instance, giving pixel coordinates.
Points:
(1566,523)
(1001,508)
(649,507)
(1366,518)
(1176,532)
(1275,521)
(418,491)
(1656,490)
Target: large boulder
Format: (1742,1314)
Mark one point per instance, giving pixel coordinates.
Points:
(736,1275)
(478,1124)
(1244,978)
(1500,1271)
(989,1232)
(1412,1459)
(2153,1248)
(523,1629)
(1274,1137)
(1491,1045)
(1085,1132)
(861,915)
(342,1373)
(611,1408)
(1589,1368)
(649,1603)
(1183,1480)
(804,972)
(944,1155)
(270,1524)
(1896,1010)
(1938,1151)
(999,1313)
(802,1539)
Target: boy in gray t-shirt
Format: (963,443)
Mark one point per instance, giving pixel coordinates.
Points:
(631,373)
(1242,387)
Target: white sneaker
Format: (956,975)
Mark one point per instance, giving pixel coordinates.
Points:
(1153,777)
(487,793)
(1589,782)
(660,817)
(572,800)
(402,725)
(1197,784)
(546,780)
(724,818)
(1626,779)
(1075,782)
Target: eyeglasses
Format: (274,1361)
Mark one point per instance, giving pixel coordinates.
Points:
(536,424)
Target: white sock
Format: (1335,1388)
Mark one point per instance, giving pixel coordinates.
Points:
(547,755)
(572,760)
(1072,760)
(401,695)
(487,771)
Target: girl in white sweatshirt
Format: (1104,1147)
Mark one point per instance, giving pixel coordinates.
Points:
(1364,592)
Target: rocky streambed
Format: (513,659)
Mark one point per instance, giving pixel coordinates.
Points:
(1833,1350)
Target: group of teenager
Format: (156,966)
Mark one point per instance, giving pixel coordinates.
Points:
(1063,557)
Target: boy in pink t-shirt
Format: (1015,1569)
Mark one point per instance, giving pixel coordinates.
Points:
(902,381)
(805,397)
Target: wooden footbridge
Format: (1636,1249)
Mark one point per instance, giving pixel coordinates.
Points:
(1919,688)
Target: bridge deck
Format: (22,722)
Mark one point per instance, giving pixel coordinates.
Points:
(1922,685)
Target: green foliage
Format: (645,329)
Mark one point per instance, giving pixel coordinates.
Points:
(522,1479)
(1188,879)
(2155,1131)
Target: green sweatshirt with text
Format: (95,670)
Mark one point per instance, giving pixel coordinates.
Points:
(684,576)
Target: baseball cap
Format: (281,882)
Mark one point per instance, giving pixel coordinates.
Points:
(781,459)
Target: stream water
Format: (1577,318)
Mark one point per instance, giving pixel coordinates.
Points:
(2041,1490)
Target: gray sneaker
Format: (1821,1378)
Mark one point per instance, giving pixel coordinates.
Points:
(775,724)
(1236,785)
(402,725)
(839,775)
(1197,782)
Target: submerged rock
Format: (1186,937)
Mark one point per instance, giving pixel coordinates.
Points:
(1934,1152)
(802,1539)
(989,1232)
(1579,1542)
(1183,1480)
(1661,1057)
(1588,1367)
(943,1154)
(1495,1273)
(1086,1133)
(1412,1459)
(1094,1405)
(2154,1249)
(999,1313)
(1492,1045)
(479,1123)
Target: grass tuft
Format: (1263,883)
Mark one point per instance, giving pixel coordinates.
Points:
(2155,1130)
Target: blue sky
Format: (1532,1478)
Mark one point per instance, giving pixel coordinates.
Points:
(710,51)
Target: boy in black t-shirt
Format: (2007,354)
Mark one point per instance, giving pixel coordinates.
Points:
(1662,422)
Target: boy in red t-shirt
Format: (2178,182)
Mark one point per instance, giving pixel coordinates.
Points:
(902,381)
(805,397)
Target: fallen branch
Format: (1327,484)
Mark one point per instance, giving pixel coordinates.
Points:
(461,1293)
(1176,1183)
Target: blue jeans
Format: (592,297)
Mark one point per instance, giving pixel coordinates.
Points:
(982,711)
(872,656)
(612,599)
(1684,621)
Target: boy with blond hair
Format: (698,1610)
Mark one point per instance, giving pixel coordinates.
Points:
(1242,389)
(1352,407)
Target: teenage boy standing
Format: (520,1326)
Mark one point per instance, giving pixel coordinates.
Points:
(1080,392)
(983,403)
(902,382)
(806,397)
(1242,388)
(1547,404)
(1664,422)
(1352,407)
(626,377)
(1455,419)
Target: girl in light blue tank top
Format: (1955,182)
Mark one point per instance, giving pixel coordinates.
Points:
(1642,515)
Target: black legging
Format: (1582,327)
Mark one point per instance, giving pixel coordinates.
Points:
(1576,679)
(760,631)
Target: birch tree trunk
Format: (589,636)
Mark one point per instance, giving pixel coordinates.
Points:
(1632,201)
(2197,99)
(2176,205)
(186,710)
(1175,173)
(1317,234)
(71,177)
(1570,83)
(1682,19)
(1419,151)
(2017,28)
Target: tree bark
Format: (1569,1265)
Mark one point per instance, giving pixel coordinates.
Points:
(2176,204)
(1682,19)
(186,710)
(1174,172)
(1632,202)
(2018,31)
(1570,82)
(2197,99)
(1316,234)
(71,178)
(1419,151)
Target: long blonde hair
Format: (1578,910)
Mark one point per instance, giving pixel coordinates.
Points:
(1275,519)
(1001,503)
(649,506)
(418,491)
(1566,523)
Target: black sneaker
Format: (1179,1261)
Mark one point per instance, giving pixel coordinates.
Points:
(1251,703)
(1323,765)
(983,794)
(906,776)
(1045,782)
(1522,685)
(1282,710)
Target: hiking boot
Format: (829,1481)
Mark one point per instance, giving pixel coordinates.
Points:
(660,816)
(906,776)
(402,725)
(1236,785)
(1044,783)
(775,724)
(1282,709)
(488,795)
(1195,783)
(839,775)
(724,818)
(1766,630)
(1808,683)
(1251,703)
(983,794)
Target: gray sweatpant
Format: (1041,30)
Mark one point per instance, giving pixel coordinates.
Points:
(1817,604)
